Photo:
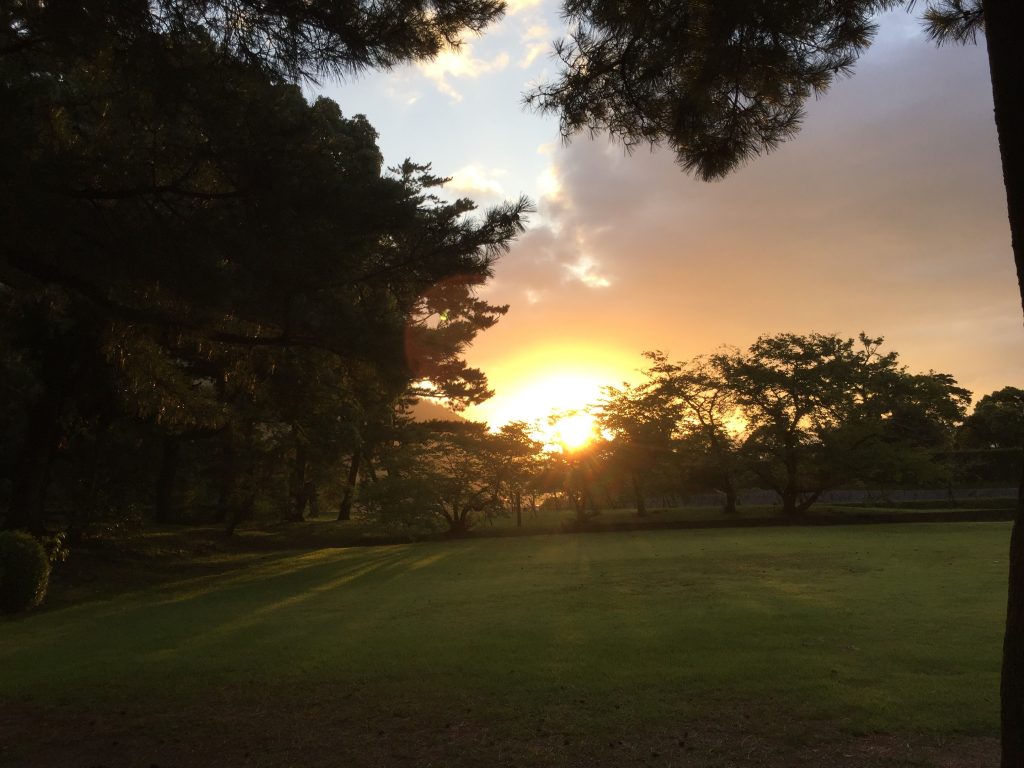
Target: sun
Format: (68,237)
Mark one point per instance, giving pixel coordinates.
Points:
(572,432)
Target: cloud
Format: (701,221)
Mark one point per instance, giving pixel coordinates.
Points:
(886,214)
(475,179)
(583,270)
(452,64)
(548,183)
(536,43)
(403,95)
(513,7)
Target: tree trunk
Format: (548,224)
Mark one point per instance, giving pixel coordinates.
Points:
(298,485)
(32,471)
(638,496)
(807,501)
(1012,688)
(789,501)
(517,502)
(1004,20)
(227,500)
(729,508)
(238,494)
(345,509)
(790,491)
(169,461)
(579,503)
(311,498)
(81,512)
(458,523)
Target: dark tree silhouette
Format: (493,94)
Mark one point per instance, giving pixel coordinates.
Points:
(439,474)
(640,422)
(997,421)
(822,411)
(285,38)
(701,402)
(185,221)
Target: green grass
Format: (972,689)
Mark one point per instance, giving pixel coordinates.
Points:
(896,628)
(551,520)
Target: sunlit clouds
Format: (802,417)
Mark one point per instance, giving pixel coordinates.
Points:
(513,7)
(885,214)
(457,64)
(474,179)
(536,41)
(534,398)
(546,378)
(548,184)
(585,269)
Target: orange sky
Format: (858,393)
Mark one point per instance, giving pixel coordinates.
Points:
(886,214)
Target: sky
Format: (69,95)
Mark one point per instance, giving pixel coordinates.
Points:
(886,214)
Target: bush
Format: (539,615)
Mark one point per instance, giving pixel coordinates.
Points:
(24,571)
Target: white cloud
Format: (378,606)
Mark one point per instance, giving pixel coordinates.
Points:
(583,270)
(474,178)
(515,6)
(535,40)
(549,184)
(404,96)
(460,64)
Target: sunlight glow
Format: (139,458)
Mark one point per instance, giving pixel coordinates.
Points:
(571,432)
(551,379)
(534,400)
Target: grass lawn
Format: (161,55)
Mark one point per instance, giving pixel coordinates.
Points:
(857,645)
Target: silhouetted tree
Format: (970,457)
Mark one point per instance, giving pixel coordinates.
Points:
(516,464)
(997,421)
(640,426)
(182,213)
(438,474)
(702,404)
(821,411)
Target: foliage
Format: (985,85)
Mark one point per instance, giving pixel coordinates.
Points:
(954,21)
(704,413)
(640,424)
(822,411)
(717,82)
(997,421)
(283,40)
(203,253)
(581,475)
(438,474)
(516,465)
(24,571)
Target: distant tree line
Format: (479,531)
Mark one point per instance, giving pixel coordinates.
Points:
(798,415)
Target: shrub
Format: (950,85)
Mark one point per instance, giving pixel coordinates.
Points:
(24,571)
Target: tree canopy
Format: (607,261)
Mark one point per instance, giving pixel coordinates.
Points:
(198,247)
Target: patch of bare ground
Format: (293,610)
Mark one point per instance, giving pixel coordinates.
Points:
(328,727)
